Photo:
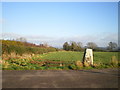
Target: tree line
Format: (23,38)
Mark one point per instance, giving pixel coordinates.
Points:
(78,46)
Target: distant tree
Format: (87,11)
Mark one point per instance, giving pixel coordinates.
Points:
(112,45)
(91,45)
(45,44)
(21,39)
(80,46)
(66,46)
(74,46)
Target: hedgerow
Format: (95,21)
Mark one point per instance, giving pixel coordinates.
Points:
(20,48)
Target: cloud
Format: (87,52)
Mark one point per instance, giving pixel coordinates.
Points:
(110,37)
(10,35)
(36,38)
(99,39)
(30,38)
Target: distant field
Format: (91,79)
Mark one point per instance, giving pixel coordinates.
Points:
(63,56)
(61,60)
(73,56)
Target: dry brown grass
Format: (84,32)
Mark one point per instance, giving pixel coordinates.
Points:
(114,60)
(96,64)
(86,64)
(15,56)
(5,64)
(79,63)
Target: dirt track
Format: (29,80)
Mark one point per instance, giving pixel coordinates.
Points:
(104,78)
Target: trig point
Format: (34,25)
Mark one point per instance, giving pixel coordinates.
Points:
(88,57)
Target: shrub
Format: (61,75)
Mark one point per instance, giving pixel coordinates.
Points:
(20,48)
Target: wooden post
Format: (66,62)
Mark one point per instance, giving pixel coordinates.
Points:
(88,57)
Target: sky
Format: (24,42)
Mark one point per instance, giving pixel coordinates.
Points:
(57,22)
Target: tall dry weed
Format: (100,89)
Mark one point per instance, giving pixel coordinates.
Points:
(114,61)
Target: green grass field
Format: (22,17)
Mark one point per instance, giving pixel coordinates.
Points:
(73,56)
(67,58)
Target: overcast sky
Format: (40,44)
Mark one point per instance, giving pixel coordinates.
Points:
(57,22)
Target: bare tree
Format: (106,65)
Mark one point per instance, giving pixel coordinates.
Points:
(91,45)
(45,44)
(21,39)
(112,45)
(79,44)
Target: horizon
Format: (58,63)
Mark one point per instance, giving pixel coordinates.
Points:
(57,22)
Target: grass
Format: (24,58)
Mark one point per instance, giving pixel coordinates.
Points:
(63,56)
(61,60)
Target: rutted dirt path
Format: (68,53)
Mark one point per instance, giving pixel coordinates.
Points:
(103,78)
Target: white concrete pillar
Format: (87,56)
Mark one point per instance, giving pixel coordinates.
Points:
(88,57)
